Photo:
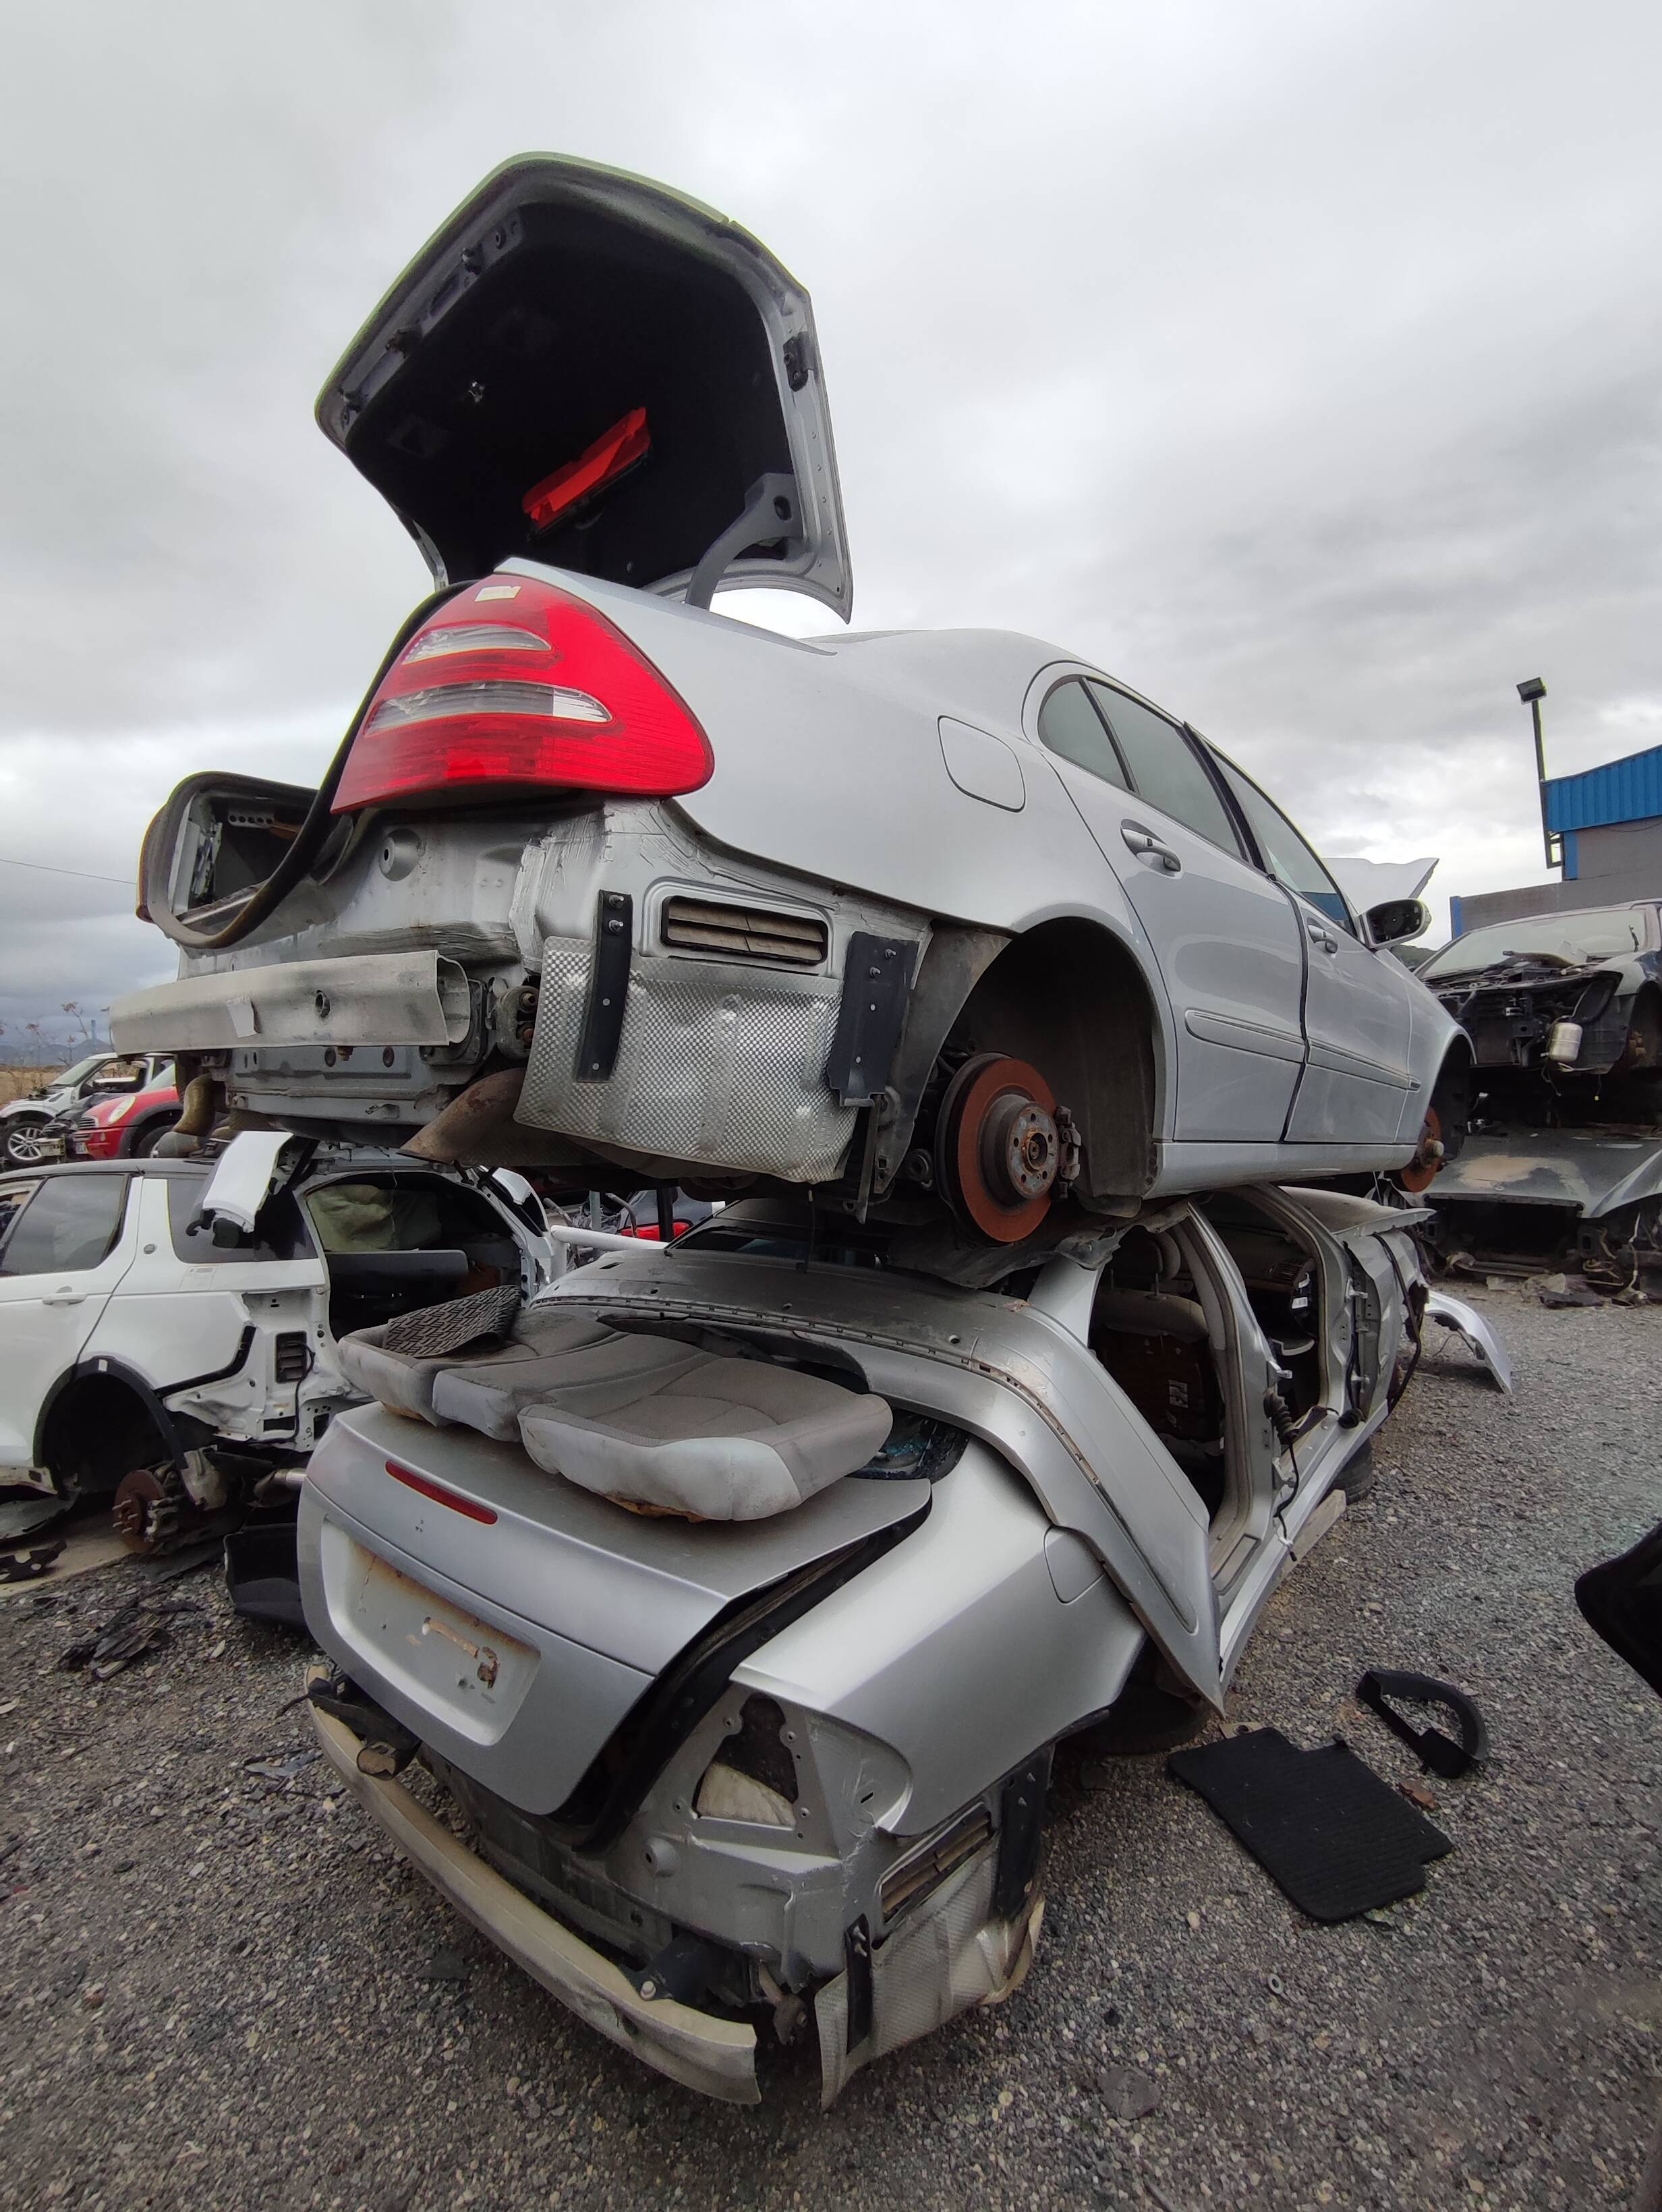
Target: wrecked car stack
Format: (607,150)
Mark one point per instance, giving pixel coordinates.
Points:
(738,1590)
(799,1758)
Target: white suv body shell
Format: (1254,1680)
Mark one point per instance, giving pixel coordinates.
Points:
(197,1341)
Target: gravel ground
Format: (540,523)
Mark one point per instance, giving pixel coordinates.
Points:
(219,1988)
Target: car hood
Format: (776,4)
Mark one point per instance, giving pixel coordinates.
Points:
(592,370)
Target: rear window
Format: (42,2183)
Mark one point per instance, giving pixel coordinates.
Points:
(194,1240)
(69,1224)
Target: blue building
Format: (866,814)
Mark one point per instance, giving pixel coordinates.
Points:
(1608,821)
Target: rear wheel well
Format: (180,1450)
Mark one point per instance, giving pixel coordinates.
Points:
(98,1428)
(1070,999)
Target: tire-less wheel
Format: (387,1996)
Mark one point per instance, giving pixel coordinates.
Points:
(998,1148)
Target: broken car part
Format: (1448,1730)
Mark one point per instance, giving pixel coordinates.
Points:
(1382,1689)
(799,1761)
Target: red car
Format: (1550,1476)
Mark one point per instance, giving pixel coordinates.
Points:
(125,1126)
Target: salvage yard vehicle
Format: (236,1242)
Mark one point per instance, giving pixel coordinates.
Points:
(1564,1011)
(738,1597)
(124,1127)
(26,1122)
(1564,1158)
(145,1357)
(952,927)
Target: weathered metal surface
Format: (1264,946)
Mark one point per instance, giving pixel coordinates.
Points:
(1591,1171)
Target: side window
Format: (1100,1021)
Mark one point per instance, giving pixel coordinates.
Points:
(70,1223)
(1287,856)
(1165,769)
(1069,724)
(194,1240)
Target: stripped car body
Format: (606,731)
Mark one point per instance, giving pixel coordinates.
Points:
(801,1760)
(147,1358)
(945,924)
(1560,1006)
(1564,1156)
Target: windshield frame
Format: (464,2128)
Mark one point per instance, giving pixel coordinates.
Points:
(1638,919)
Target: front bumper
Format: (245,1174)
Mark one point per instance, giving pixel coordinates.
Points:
(696,2048)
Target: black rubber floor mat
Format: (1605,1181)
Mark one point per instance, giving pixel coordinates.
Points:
(1322,1826)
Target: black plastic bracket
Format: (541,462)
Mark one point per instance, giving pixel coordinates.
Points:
(1437,1753)
(877,982)
(608,987)
(857,1965)
(1020,1817)
(681,1971)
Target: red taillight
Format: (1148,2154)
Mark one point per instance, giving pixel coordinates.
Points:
(515,683)
(440,1496)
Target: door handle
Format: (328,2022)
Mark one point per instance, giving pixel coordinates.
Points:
(1320,935)
(65,1298)
(1149,848)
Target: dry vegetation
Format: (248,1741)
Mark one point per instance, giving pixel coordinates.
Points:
(18,1082)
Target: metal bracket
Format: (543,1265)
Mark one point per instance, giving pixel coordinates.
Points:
(1021,1813)
(857,1965)
(772,511)
(608,987)
(681,1971)
(877,982)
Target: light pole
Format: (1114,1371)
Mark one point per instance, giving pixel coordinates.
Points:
(1533,691)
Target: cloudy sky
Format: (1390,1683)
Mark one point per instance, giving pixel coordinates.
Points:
(1298,362)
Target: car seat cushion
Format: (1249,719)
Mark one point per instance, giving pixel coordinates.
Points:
(405,1382)
(718,1440)
(490,1395)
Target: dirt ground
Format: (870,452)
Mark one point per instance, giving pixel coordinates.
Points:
(218,1987)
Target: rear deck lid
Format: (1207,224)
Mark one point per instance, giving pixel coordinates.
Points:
(588,369)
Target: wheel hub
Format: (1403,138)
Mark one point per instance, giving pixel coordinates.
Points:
(997,1150)
(151,1508)
(1421,1171)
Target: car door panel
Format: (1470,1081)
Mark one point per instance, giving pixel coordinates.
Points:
(1359,1000)
(48,1313)
(1359,1018)
(1227,945)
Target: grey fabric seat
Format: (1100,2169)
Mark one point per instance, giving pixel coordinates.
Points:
(406,1382)
(716,1440)
(488,1394)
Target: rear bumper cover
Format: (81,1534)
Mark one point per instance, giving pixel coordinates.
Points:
(716,2057)
(369,997)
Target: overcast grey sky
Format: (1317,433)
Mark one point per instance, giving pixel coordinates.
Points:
(1298,362)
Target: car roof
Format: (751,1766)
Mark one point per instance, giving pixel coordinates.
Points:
(106,1168)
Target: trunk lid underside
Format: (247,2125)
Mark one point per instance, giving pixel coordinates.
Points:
(559,299)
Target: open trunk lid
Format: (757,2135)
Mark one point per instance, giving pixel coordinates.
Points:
(588,369)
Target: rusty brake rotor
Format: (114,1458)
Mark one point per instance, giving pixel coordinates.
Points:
(997,1150)
(1421,1171)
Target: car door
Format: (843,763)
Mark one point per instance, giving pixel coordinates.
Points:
(1359,1000)
(66,1248)
(1228,944)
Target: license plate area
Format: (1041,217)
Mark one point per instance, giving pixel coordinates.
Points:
(459,1668)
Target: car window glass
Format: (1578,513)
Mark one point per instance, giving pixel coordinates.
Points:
(70,1223)
(1069,724)
(1286,854)
(1165,769)
(192,1238)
